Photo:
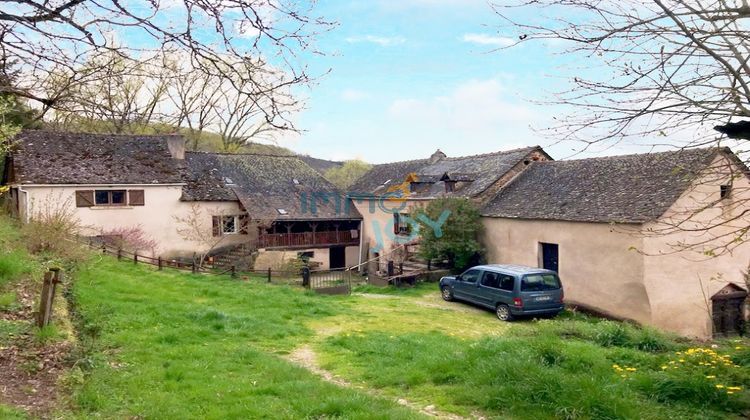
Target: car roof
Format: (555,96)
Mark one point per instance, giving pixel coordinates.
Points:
(513,269)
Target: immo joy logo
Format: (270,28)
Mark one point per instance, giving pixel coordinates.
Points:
(394,201)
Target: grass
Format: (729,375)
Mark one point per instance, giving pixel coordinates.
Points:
(174,345)
(168,344)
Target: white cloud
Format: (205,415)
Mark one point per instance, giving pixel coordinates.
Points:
(473,106)
(484,39)
(383,41)
(353,95)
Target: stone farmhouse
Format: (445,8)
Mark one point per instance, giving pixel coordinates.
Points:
(656,238)
(187,202)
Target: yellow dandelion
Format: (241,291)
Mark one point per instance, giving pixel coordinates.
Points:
(738,348)
(719,386)
(730,392)
(664,367)
(711,377)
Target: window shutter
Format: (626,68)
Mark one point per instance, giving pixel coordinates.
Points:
(395,223)
(243,223)
(216,220)
(85,198)
(136,198)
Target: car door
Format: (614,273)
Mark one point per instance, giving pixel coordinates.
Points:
(488,288)
(466,284)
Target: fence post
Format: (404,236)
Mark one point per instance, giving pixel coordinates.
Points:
(390,268)
(104,249)
(119,254)
(306,277)
(429,265)
(192,267)
(269,274)
(234,271)
(135,258)
(159,262)
(400,268)
(44,300)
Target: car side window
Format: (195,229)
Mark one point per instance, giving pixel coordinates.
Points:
(470,276)
(490,279)
(507,282)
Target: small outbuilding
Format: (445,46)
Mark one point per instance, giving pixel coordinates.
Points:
(652,237)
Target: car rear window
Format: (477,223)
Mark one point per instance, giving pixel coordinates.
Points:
(539,282)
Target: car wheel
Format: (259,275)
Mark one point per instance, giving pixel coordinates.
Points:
(503,313)
(447,294)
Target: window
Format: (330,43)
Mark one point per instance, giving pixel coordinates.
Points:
(401,224)
(725,191)
(507,282)
(491,279)
(295,181)
(228,181)
(229,225)
(470,276)
(282,212)
(450,186)
(539,282)
(109,197)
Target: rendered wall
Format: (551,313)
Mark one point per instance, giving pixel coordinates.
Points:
(681,280)
(599,267)
(157,218)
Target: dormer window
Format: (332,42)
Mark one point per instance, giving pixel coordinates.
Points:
(450,186)
(228,181)
(295,181)
(282,212)
(725,191)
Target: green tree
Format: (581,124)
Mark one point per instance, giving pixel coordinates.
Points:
(345,175)
(456,239)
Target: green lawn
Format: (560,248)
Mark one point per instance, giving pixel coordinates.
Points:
(175,345)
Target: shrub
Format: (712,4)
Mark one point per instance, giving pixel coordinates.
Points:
(457,238)
(51,229)
(131,238)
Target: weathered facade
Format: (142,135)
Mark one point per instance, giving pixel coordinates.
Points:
(390,192)
(643,237)
(187,202)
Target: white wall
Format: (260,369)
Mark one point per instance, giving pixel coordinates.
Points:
(157,218)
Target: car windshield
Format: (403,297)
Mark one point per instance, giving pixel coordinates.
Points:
(539,282)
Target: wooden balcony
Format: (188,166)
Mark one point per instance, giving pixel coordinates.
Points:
(308,239)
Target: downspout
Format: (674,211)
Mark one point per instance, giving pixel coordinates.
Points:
(361,242)
(26,204)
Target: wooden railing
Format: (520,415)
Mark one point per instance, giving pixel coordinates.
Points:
(295,240)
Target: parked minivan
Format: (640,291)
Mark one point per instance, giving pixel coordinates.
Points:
(510,290)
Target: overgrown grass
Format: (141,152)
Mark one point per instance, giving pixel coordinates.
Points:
(420,289)
(167,344)
(174,345)
(10,413)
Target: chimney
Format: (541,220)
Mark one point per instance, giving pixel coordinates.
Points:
(176,145)
(437,157)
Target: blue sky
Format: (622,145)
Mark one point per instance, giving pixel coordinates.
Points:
(410,76)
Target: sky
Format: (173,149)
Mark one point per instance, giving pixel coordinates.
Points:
(408,77)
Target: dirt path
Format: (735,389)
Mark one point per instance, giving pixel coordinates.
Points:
(305,357)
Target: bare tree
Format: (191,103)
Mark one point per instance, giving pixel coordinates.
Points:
(644,69)
(60,36)
(127,97)
(657,73)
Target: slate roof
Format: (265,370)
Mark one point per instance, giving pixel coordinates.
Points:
(264,184)
(474,174)
(47,157)
(620,189)
(321,165)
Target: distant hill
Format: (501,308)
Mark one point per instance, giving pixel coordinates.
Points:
(320,165)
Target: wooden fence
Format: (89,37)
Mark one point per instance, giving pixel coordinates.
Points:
(272,276)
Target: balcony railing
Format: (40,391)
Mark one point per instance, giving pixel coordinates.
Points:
(305,239)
